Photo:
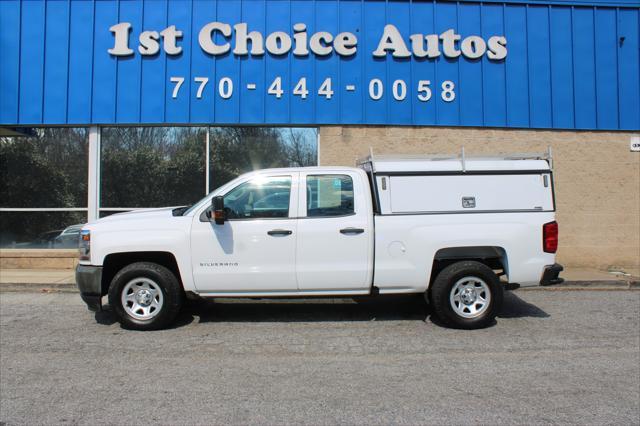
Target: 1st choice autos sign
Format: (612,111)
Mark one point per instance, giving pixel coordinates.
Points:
(220,38)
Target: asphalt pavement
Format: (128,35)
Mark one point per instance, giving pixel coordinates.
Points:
(553,357)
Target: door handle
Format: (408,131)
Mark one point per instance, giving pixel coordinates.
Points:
(279,232)
(348,231)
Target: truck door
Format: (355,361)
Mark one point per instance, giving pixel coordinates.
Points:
(254,251)
(335,233)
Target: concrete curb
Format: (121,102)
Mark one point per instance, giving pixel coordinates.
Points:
(597,283)
(602,285)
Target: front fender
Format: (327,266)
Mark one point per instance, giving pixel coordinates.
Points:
(173,241)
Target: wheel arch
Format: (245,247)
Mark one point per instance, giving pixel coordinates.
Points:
(114,262)
(494,257)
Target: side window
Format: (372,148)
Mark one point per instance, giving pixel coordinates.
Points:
(263,197)
(329,195)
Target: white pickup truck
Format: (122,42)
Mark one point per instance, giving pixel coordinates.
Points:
(448,228)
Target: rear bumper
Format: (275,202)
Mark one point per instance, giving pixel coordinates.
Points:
(89,282)
(551,275)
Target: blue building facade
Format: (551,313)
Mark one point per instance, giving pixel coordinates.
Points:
(516,64)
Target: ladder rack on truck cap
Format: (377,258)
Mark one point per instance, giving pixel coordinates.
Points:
(389,163)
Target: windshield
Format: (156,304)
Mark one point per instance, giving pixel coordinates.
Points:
(192,207)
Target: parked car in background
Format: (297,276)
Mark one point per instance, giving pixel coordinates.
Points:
(68,238)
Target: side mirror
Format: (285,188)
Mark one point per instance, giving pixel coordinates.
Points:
(218,209)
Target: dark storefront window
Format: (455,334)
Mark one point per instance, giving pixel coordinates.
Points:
(152,166)
(41,229)
(44,172)
(166,166)
(46,169)
(43,187)
(236,150)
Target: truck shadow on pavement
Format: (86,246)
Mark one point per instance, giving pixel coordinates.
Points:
(515,307)
(381,308)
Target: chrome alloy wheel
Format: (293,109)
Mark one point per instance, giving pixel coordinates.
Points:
(142,298)
(470,297)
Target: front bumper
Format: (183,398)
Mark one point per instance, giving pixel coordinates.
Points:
(89,281)
(551,275)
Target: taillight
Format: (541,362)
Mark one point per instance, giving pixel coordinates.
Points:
(550,237)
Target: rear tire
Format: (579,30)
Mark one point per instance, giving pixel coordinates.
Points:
(145,296)
(467,295)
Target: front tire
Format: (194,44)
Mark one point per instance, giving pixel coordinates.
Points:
(467,295)
(145,296)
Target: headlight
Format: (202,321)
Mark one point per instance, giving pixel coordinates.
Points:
(84,245)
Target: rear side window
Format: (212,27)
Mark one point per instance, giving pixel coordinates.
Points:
(329,195)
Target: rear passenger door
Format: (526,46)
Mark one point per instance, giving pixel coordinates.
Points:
(335,233)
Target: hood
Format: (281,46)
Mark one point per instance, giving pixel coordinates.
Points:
(144,214)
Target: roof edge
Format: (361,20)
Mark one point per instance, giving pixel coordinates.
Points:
(591,3)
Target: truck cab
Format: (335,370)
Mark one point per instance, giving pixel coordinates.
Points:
(288,232)
(447,228)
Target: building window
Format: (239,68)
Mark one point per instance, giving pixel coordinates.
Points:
(143,167)
(151,166)
(44,172)
(43,187)
(237,150)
